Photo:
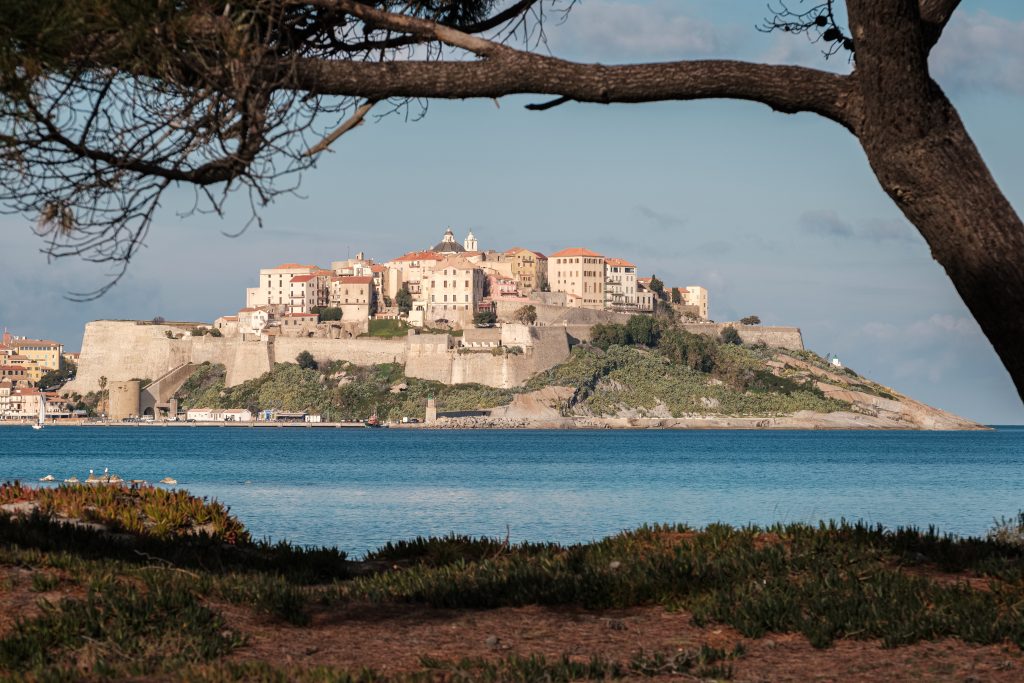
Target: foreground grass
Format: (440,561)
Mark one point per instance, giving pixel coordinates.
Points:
(137,605)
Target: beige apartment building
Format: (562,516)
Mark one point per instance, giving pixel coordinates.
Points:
(354,295)
(274,287)
(620,285)
(306,292)
(453,290)
(529,269)
(43,352)
(33,357)
(697,296)
(414,268)
(579,273)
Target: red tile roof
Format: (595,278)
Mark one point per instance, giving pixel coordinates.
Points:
(619,262)
(15,343)
(576,251)
(378,268)
(303,278)
(420,256)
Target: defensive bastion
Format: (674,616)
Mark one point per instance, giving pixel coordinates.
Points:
(121,350)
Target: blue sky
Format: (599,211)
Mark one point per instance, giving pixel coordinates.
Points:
(777,215)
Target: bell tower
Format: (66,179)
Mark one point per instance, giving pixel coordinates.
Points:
(470,243)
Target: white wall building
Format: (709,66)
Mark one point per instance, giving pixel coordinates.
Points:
(620,285)
(274,286)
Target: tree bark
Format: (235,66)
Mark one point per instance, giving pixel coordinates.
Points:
(925,160)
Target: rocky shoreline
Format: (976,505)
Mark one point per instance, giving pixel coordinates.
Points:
(799,421)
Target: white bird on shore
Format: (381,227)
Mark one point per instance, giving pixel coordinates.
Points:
(106,474)
(92,478)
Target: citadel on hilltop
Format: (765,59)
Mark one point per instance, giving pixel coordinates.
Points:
(448,286)
(451,313)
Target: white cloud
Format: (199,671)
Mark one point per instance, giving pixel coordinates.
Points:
(614,30)
(980,52)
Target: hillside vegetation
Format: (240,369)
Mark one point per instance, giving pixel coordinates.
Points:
(647,368)
(339,391)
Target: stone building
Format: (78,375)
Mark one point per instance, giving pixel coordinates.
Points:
(529,268)
(354,295)
(696,296)
(453,290)
(579,273)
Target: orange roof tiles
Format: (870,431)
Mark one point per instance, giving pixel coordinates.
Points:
(420,256)
(619,262)
(293,266)
(576,251)
(378,268)
(15,343)
(303,278)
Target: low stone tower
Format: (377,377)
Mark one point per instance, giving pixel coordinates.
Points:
(431,410)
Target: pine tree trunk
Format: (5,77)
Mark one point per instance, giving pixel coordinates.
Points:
(944,188)
(925,160)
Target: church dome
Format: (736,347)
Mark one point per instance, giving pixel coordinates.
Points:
(447,245)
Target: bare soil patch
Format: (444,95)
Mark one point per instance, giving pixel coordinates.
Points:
(394,638)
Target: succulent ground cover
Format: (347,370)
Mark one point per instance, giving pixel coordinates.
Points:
(792,602)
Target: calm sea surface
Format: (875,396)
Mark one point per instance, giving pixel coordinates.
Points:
(359,488)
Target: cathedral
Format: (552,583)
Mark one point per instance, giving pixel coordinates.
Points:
(448,245)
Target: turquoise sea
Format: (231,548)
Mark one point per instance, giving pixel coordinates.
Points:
(360,488)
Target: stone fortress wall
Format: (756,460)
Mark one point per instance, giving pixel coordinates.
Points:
(120,350)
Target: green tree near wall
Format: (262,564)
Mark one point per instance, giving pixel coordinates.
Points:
(729,335)
(657,286)
(306,361)
(403,299)
(526,315)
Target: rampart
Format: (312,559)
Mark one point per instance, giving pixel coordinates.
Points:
(770,335)
(125,350)
(548,314)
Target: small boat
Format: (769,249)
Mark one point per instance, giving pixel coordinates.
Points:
(169,481)
(48,477)
(72,480)
(42,412)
